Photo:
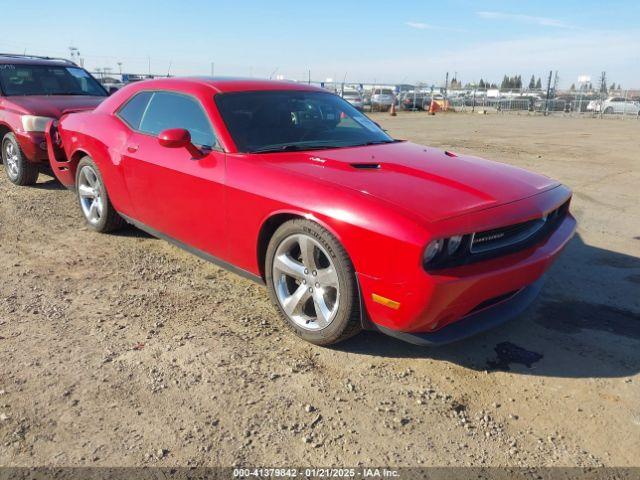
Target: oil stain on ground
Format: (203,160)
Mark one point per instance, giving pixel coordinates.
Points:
(509,353)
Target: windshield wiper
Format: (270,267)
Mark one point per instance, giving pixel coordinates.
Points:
(377,142)
(292,148)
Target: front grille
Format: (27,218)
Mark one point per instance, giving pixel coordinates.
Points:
(492,243)
(511,235)
(505,236)
(498,238)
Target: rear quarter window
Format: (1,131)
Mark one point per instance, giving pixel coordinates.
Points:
(133,110)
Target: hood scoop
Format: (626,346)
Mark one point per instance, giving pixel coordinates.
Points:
(366,166)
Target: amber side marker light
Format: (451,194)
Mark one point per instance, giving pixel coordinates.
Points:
(387,302)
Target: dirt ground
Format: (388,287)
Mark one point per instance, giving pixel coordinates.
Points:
(121,350)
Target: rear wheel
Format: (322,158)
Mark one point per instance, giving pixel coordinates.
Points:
(20,171)
(312,283)
(608,110)
(93,199)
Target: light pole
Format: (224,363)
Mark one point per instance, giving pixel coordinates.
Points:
(73,52)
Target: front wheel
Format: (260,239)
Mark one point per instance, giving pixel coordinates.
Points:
(93,199)
(20,171)
(312,283)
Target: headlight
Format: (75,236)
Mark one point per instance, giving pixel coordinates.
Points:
(445,252)
(432,250)
(453,244)
(32,123)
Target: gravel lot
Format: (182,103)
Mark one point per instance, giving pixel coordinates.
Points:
(121,350)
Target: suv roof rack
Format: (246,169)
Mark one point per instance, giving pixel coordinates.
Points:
(37,57)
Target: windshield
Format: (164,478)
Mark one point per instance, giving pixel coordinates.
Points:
(48,80)
(295,120)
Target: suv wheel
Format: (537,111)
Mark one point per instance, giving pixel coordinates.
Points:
(20,171)
(312,283)
(93,199)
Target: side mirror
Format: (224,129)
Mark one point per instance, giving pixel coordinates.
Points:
(178,138)
(112,90)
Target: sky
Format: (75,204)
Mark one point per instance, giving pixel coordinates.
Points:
(401,41)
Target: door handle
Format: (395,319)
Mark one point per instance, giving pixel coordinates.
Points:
(132,148)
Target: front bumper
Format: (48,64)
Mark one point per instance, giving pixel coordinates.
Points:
(475,323)
(453,304)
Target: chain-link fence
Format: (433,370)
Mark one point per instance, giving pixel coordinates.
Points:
(621,105)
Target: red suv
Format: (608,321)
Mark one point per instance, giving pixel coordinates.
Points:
(33,91)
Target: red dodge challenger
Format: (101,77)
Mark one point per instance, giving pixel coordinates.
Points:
(291,186)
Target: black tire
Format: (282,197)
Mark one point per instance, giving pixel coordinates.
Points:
(608,110)
(25,172)
(110,220)
(346,321)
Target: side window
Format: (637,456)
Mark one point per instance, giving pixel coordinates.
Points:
(133,110)
(174,110)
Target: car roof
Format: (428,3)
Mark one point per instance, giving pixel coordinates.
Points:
(15,59)
(229,84)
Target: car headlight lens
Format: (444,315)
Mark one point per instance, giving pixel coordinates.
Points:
(432,250)
(33,123)
(445,252)
(453,244)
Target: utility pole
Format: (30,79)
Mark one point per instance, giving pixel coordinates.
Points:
(603,83)
(73,52)
(120,67)
(546,106)
(213,66)
(446,84)
(309,76)
(149,61)
(475,90)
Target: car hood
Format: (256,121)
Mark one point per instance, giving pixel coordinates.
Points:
(428,182)
(54,106)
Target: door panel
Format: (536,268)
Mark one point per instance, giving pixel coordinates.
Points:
(179,196)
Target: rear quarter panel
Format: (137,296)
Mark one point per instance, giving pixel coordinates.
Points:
(101,137)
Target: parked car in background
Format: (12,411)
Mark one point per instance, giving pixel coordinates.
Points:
(354,98)
(112,87)
(33,91)
(412,100)
(551,105)
(619,105)
(292,186)
(366,100)
(382,99)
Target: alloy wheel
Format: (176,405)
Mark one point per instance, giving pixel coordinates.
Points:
(11,160)
(306,282)
(90,193)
